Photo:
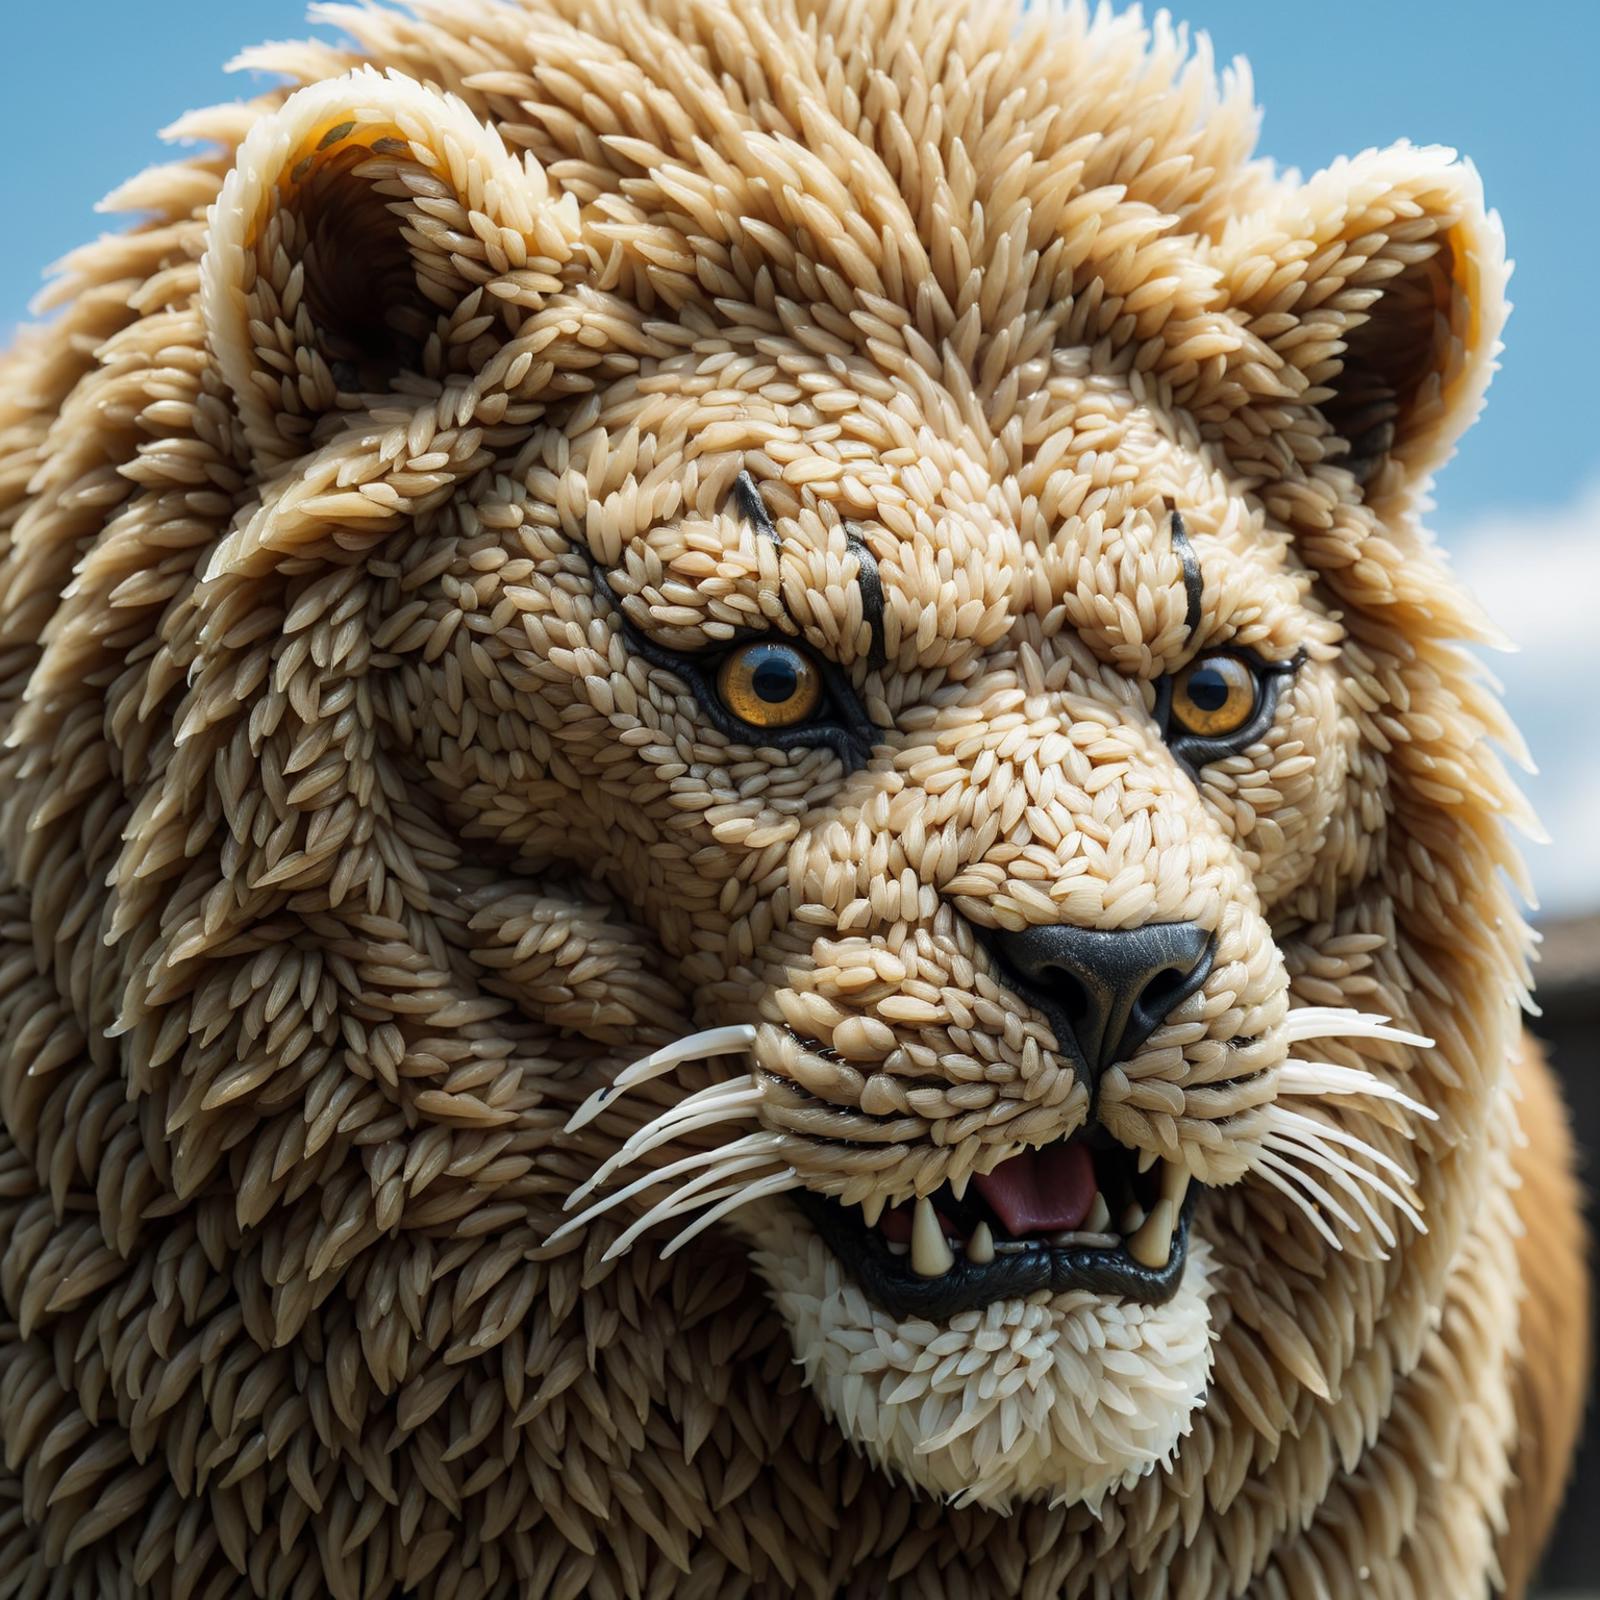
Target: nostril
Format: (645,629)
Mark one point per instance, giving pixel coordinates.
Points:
(1104,990)
(1161,993)
(1072,997)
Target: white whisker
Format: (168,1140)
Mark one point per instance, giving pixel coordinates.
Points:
(1343,1179)
(778,1183)
(1341,1022)
(736,1108)
(1298,1122)
(1299,1140)
(624,1241)
(1311,1078)
(1333,1163)
(724,1041)
(680,1127)
(1294,1170)
(1293,1195)
(745,1146)
(689,1196)
(712,1098)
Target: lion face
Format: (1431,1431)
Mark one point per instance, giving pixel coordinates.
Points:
(958,757)
(762,704)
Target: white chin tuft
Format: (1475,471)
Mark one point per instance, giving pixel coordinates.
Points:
(1056,1396)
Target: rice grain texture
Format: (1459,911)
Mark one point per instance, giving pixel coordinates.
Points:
(427,997)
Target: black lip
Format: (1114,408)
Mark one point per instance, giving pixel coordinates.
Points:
(888,1281)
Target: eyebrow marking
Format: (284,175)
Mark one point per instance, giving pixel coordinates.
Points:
(747,494)
(871,586)
(753,507)
(1192,585)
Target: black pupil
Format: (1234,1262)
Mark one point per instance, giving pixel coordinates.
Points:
(775,677)
(1208,689)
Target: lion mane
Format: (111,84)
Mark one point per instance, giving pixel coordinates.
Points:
(578,594)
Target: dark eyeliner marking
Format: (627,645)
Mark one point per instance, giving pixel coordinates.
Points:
(851,737)
(871,586)
(1192,586)
(753,506)
(1195,750)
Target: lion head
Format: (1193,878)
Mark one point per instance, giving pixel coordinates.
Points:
(800,624)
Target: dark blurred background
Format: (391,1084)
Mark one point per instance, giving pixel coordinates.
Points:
(85,84)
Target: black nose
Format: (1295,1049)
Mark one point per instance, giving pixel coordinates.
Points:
(1106,990)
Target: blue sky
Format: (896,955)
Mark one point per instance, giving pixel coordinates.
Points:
(1510,86)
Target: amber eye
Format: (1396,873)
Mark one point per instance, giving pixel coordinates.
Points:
(769,685)
(1215,696)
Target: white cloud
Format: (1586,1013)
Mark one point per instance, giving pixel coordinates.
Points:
(1537,573)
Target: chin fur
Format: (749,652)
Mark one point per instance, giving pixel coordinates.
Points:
(1059,1397)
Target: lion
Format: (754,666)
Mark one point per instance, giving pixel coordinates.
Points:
(747,848)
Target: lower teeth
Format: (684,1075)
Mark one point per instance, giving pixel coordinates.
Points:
(1085,1241)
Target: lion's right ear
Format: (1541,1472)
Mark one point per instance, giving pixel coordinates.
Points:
(1378,288)
(370,227)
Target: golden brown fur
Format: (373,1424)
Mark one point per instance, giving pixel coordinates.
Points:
(365,813)
(1553,1327)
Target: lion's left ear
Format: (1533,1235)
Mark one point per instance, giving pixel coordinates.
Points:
(1380,286)
(372,235)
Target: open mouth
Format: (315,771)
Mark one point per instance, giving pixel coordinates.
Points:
(1074,1215)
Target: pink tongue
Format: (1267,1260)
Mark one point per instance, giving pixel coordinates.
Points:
(1041,1191)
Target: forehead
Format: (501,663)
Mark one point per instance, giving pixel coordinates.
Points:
(925,522)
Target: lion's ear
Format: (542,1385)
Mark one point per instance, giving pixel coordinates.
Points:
(1380,286)
(371,228)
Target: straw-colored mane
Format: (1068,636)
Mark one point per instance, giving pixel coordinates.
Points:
(395,528)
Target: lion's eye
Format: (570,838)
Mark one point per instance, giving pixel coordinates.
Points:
(769,684)
(1215,696)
